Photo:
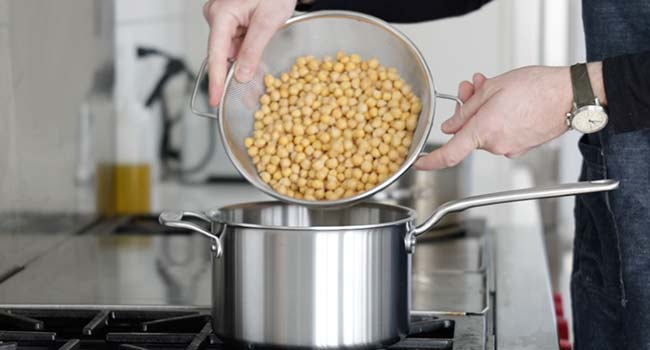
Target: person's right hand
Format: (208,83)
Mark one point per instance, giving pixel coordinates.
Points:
(240,29)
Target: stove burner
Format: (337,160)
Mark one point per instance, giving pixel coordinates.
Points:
(154,329)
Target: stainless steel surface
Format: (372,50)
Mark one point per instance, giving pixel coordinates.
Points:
(463,254)
(458,292)
(450,273)
(525,316)
(134,268)
(101,268)
(175,219)
(335,278)
(320,34)
(171,271)
(515,196)
(308,267)
(25,236)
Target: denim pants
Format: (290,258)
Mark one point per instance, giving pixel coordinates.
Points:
(610,284)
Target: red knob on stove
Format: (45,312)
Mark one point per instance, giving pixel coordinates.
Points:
(565,345)
(559,309)
(562,328)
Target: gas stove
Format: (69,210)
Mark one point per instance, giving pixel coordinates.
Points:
(129,283)
(139,329)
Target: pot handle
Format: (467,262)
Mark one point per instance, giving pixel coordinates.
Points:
(509,196)
(195,91)
(175,219)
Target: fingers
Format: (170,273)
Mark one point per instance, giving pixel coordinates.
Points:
(451,153)
(222,30)
(235,44)
(465,91)
(472,105)
(260,31)
(478,80)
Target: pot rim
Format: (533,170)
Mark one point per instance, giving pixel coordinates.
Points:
(213,214)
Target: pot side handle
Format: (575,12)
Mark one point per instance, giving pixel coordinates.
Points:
(175,219)
(563,190)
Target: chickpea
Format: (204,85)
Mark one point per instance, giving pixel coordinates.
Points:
(332,128)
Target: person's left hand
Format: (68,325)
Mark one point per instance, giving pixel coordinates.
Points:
(506,115)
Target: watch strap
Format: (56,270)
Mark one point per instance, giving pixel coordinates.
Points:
(583,94)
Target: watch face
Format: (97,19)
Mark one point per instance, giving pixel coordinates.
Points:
(589,119)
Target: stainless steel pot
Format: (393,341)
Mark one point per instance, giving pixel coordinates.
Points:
(290,276)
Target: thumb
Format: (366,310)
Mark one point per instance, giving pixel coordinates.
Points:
(451,153)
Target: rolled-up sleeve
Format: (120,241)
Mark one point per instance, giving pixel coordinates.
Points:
(627,85)
(406,11)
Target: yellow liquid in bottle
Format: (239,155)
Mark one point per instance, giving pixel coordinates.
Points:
(123,189)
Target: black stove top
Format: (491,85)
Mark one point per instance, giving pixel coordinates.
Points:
(140,329)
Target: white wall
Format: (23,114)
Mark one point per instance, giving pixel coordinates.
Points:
(47,55)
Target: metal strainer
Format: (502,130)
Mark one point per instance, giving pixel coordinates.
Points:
(322,34)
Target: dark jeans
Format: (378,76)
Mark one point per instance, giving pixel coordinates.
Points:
(610,285)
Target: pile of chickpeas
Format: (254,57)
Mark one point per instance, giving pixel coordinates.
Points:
(332,128)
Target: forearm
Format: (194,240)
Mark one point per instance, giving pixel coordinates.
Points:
(401,11)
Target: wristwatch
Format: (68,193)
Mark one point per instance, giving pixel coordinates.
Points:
(587,116)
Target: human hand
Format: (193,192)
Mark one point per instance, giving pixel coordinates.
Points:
(506,115)
(240,29)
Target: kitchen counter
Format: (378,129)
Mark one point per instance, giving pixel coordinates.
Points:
(525,317)
(113,265)
(25,236)
(110,265)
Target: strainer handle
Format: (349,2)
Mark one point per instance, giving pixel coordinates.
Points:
(450,97)
(199,79)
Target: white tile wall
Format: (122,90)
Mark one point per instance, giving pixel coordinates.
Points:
(51,47)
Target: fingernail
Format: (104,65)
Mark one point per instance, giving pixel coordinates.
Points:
(244,73)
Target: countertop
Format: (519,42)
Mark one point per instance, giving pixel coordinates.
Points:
(102,267)
(525,317)
(25,236)
(107,267)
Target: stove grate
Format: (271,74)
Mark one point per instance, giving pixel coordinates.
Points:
(155,329)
